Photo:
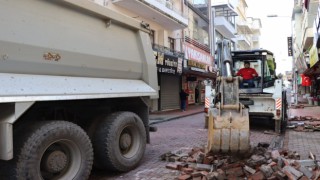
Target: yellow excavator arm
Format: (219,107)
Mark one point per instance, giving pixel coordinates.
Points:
(228,122)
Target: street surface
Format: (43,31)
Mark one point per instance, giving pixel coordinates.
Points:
(172,135)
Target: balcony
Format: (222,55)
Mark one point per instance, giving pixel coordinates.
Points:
(230,3)
(159,11)
(243,40)
(167,50)
(224,20)
(307,24)
(255,38)
(224,27)
(244,26)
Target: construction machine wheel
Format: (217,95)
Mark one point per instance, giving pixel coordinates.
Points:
(119,142)
(54,150)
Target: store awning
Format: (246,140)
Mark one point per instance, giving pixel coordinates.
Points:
(313,71)
(201,74)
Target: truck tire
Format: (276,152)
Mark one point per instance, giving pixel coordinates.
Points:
(54,150)
(119,142)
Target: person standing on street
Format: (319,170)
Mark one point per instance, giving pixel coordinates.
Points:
(183,100)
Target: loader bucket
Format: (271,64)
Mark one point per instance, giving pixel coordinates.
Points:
(228,131)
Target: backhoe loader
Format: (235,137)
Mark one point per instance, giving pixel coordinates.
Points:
(230,107)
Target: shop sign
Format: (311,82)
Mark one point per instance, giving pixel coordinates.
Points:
(168,64)
(196,66)
(289,46)
(313,55)
(197,58)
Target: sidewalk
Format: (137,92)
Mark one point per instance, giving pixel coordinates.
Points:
(300,141)
(158,117)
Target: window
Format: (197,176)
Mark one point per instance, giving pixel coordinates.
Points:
(151,35)
(171,43)
(255,64)
(269,69)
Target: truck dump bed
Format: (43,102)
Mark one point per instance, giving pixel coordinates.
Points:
(72,43)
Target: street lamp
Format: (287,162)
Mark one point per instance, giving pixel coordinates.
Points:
(294,71)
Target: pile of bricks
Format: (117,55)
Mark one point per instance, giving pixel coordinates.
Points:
(304,124)
(299,106)
(303,118)
(260,163)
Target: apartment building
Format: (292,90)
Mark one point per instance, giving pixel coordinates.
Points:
(243,27)
(255,24)
(305,17)
(225,20)
(179,33)
(231,22)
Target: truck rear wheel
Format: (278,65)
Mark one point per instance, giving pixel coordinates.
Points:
(119,142)
(55,150)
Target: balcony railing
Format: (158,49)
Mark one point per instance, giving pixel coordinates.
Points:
(245,38)
(167,50)
(169,5)
(197,44)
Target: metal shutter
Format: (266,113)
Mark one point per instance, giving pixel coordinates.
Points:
(169,92)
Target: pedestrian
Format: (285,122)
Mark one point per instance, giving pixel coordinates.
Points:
(183,99)
(196,95)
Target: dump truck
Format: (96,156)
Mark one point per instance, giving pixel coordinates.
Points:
(77,80)
(234,102)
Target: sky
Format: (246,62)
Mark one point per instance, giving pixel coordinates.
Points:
(275,30)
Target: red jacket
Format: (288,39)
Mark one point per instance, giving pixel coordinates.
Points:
(247,73)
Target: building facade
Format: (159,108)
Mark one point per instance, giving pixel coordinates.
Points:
(305,43)
(231,22)
(198,61)
(179,33)
(225,20)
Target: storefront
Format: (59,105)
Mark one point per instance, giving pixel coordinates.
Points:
(197,66)
(314,71)
(169,74)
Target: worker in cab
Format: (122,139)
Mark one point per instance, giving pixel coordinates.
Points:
(248,74)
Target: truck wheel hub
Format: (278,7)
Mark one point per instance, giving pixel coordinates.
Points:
(125,141)
(56,161)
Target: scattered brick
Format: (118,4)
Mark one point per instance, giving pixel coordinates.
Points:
(184,177)
(172,166)
(292,172)
(204,167)
(196,174)
(197,178)
(262,164)
(304,178)
(187,170)
(181,165)
(275,154)
(249,169)
(266,170)
(207,159)
(257,176)
(280,175)
(173,158)
(305,171)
